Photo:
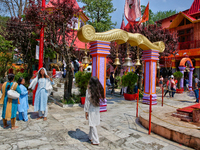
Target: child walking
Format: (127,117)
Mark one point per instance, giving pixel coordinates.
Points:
(94,96)
(23,106)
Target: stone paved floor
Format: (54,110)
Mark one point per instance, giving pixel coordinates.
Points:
(66,128)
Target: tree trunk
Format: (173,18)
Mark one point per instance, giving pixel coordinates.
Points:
(68,86)
(140,85)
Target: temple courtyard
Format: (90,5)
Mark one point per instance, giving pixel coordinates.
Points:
(67,128)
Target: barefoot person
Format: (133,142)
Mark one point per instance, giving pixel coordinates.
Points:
(44,88)
(94,95)
(9,105)
(23,106)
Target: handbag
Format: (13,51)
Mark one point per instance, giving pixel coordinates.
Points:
(12,94)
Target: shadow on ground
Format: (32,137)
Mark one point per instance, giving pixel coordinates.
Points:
(79,135)
(33,115)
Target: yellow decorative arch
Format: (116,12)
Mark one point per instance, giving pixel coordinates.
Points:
(87,34)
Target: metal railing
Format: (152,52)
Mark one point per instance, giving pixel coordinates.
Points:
(189,45)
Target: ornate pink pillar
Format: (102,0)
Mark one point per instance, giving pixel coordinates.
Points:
(182,68)
(150,58)
(99,50)
(190,78)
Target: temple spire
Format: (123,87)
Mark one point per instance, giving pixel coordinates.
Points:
(195,8)
(122,24)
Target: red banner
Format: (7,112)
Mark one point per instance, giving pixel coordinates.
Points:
(132,10)
(145,16)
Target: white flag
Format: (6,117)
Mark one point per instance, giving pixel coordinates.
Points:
(37,52)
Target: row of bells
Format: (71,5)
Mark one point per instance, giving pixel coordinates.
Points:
(128,62)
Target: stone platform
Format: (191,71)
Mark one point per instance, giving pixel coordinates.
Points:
(67,128)
(172,128)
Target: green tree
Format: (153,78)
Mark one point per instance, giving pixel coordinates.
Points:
(99,13)
(3,21)
(6,55)
(153,17)
(163,14)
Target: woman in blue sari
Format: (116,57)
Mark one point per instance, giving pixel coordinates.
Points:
(9,111)
(44,88)
(23,106)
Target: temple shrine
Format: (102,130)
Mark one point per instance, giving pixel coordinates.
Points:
(186,26)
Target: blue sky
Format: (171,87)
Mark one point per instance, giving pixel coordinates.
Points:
(154,5)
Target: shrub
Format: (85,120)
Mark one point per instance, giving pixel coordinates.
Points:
(129,80)
(19,74)
(178,75)
(82,79)
(118,80)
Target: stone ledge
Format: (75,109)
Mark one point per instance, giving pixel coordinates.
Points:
(65,105)
(170,133)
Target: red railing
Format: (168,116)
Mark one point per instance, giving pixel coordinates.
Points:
(189,45)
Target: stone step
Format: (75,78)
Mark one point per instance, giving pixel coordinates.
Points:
(184,113)
(60,85)
(182,117)
(58,89)
(187,119)
(57,95)
(179,115)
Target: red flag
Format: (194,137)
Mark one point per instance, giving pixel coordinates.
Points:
(132,10)
(145,16)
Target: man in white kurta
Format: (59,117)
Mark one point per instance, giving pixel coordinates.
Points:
(93,118)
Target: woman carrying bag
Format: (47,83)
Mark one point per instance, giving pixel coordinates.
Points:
(9,105)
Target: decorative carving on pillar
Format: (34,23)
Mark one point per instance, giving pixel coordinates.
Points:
(87,34)
(150,58)
(150,53)
(99,50)
(190,78)
(182,68)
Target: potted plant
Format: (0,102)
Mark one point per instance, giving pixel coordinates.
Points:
(178,75)
(129,80)
(82,79)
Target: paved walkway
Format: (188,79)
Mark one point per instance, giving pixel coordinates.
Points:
(66,128)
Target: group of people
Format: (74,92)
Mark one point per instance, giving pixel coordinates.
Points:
(11,106)
(171,86)
(94,96)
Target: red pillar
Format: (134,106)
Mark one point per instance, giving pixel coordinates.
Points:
(41,41)
(137,103)
(41,47)
(150,110)
(40,51)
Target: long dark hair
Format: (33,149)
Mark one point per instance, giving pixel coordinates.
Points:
(10,79)
(97,91)
(20,80)
(40,76)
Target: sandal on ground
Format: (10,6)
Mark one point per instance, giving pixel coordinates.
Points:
(94,144)
(5,126)
(45,119)
(15,127)
(39,118)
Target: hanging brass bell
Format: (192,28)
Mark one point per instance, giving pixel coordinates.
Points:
(85,60)
(128,62)
(137,62)
(116,63)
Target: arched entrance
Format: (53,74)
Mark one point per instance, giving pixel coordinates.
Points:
(100,48)
(182,68)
